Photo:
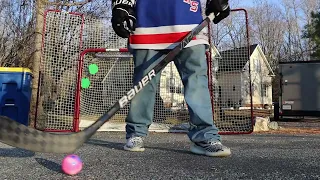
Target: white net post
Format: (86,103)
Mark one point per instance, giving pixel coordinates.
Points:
(114,79)
(107,86)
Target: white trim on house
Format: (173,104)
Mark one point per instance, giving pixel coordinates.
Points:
(264,59)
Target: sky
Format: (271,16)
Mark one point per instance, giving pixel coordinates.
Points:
(246,3)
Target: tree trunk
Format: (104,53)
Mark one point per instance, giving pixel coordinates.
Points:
(35,63)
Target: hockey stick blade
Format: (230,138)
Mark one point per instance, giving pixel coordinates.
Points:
(21,136)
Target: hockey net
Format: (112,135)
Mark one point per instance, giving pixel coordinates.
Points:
(64,105)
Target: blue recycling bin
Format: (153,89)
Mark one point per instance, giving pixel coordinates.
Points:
(15,93)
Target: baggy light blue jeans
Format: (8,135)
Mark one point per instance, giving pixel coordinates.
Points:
(192,66)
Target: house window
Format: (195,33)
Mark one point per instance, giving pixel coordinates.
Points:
(234,88)
(179,90)
(264,89)
(220,92)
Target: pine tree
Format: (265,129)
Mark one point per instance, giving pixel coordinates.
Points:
(312,32)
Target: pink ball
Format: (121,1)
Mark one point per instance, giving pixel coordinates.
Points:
(72,164)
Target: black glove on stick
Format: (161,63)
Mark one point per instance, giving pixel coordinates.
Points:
(220,8)
(123,17)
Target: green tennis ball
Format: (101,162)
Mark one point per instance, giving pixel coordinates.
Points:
(93,69)
(85,83)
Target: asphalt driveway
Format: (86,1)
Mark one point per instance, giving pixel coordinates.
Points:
(255,156)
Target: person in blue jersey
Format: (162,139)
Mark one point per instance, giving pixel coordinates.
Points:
(153,27)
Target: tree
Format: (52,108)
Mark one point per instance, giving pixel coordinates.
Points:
(267,30)
(16,32)
(312,32)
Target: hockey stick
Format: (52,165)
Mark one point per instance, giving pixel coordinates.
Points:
(20,136)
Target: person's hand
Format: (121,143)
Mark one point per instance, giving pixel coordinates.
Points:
(220,8)
(123,17)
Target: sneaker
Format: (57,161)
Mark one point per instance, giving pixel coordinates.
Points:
(134,144)
(210,148)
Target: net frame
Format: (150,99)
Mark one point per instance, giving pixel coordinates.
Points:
(80,75)
(40,119)
(76,118)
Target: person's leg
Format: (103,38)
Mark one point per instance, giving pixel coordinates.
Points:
(192,66)
(142,106)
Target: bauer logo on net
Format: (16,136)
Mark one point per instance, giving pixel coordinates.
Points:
(137,88)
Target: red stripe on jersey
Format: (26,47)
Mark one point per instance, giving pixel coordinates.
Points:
(158,38)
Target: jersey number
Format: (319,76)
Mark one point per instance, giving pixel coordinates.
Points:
(193,5)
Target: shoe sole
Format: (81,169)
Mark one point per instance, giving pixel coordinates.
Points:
(198,150)
(133,149)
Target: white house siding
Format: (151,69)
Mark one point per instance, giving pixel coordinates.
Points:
(228,80)
(259,76)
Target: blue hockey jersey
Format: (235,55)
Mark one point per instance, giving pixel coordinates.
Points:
(161,24)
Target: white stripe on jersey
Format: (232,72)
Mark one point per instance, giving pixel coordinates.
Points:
(167,45)
(165,29)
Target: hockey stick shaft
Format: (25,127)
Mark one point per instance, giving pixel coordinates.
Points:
(20,136)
